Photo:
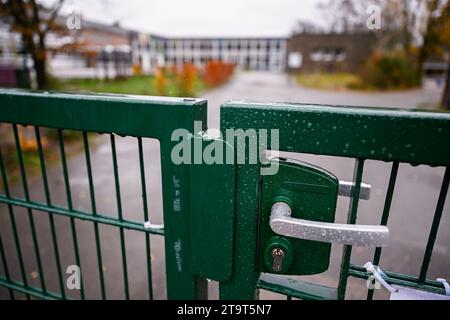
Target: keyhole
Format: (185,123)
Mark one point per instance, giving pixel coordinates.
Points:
(277,255)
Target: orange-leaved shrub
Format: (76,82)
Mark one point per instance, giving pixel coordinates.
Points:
(217,72)
(160,81)
(186,78)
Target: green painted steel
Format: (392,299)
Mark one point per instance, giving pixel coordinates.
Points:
(29,211)
(391,135)
(385,216)
(67,186)
(146,217)
(50,214)
(312,194)
(213,214)
(295,289)
(12,220)
(141,117)
(416,137)
(351,219)
(94,213)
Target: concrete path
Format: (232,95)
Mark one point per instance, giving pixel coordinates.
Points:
(411,215)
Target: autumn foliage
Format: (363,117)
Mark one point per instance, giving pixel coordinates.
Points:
(137,69)
(186,79)
(160,81)
(183,80)
(217,72)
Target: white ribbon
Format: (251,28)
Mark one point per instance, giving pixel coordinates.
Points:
(380,276)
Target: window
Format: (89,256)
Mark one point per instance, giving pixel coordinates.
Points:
(340,54)
(295,60)
(317,55)
(328,55)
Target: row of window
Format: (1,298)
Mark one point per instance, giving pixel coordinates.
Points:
(213,44)
(328,55)
(215,53)
(261,64)
(244,60)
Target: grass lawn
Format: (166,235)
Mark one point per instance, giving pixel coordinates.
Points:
(140,85)
(329,81)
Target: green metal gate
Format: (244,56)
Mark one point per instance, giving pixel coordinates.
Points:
(216,229)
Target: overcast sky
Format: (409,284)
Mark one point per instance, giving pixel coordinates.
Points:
(202,17)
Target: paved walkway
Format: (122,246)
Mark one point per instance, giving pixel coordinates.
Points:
(261,86)
(411,214)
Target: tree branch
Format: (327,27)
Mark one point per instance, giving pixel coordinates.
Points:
(53,15)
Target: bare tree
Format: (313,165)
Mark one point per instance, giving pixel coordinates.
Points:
(306,27)
(33,21)
(346,15)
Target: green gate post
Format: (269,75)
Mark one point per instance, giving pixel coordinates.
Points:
(242,284)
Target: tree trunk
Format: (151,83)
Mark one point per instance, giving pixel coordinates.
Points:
(405,28)
(446,97)
(429,41)
(39,56)
(40,64)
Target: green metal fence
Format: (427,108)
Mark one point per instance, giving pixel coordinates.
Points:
(359,133)
(388,135)
(113,115)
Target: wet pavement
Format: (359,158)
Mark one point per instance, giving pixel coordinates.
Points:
(412,210)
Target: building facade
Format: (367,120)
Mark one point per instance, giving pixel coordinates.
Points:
(96,50)
(246,53)
(329,52)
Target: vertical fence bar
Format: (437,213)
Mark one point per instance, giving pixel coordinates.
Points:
(119,210)
(385,215)
(13,224)
(435,226)
(70,207)
(30,212)
(94,212)
(145,209)
(352,215)
(5,267)
(50,215)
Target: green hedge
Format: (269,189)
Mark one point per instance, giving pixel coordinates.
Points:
(391,70)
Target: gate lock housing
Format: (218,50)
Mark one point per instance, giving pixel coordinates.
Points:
(297,213)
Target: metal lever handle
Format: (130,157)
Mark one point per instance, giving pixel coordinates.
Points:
(346,190)
(282,223)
